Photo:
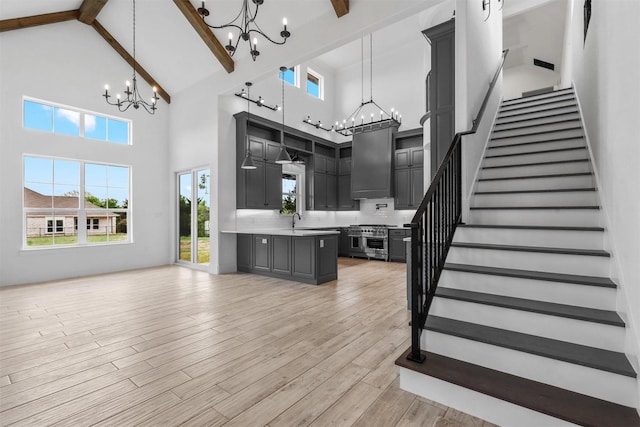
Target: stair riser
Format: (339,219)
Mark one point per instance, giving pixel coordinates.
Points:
(550,183)
(537,157)
(554,327)
(503,148)
(528,237)
(569,198)
(569,107)
(550,217)
(541,290)
(538,103)
(542,96)
(480,405)
(535,261)
(551,117)
(573,133)
(549,169)
(526,130)
(592,382)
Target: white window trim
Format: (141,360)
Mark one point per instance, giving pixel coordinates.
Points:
(320,78)
(81,125)
(296,76)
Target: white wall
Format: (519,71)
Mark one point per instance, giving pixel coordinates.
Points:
(524,78)
(605,73)
(69,63)
(478,52)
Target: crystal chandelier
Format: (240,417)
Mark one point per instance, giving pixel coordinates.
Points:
(246,25)
(133,95)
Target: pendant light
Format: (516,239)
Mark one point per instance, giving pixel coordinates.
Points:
(247,163)
(283,155)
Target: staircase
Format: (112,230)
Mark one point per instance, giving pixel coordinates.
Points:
(523,329)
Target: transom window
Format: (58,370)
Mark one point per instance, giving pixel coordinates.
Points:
(291,76)
(315,84)
(60,193)
(49,117)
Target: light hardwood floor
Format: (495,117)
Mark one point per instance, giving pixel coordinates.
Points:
(174,346)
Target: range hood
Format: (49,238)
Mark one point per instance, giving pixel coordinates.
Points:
(372,164)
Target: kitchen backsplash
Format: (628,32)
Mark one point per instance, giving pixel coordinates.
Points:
(372,211)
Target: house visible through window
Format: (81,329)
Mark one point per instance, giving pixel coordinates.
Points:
(56,200)
(48,117)
(289,193)
(315,84)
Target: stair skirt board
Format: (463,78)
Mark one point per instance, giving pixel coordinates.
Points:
(543,145)
(566,198)
(549,262)
(526,183)
(592,382)
(564,154)
(597,297)
(590,334)
(526,129)
(558,217)
(531,237)
(494,410)
(551,117)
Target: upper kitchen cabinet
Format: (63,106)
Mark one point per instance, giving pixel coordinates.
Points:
(409,170)
(322,180)
(372,164)
(345,201)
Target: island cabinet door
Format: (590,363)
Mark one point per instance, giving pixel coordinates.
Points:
(304,257)
(327,247)
(261,252)
(281,254)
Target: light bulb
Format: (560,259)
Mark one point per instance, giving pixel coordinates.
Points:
(118,96)
(106,87)
(284,21)
(155,89)
(230,37)
(255,41)
(128,83)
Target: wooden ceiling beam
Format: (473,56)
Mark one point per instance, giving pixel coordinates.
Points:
(89,10)
(125,55)
(341,7)
(36,20)
(205,33)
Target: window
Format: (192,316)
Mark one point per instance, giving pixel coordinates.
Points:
(60,193)
(291,76)
(48,117)
(289,193)
(315,84)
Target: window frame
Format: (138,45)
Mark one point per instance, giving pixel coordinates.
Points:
(81,213)
(311,72)
(296,76)
(82,121)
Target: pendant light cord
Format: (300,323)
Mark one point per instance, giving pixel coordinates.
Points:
(371,65)
(134,39)
(282,80)
(362,71)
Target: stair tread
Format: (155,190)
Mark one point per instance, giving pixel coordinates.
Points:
(538,97)
(532,207)
(555,175)
(527,153)
(535,133)
(535,125)
(593,315)
(533,227)
(540,249)
(555,162)
(603,282)
(550,400)
(542,110)
(537,102)
(596,358)
(552,190)
(545,141)
(566,113)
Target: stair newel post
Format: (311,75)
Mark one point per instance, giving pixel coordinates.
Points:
(416,291)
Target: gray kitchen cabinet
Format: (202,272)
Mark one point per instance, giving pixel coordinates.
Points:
(372,167)
(345,201)
(344,242)
(325,194)
(396,244)
(263,186)
(409,172)
(332,192)
(261,251)
(304,257)
(244,242)
(262,149)
(308,259)
(281,254)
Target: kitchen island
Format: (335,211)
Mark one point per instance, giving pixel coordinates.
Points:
(307,256)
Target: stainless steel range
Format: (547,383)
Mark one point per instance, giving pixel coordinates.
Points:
(369,241)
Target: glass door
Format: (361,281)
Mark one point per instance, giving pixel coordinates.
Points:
(194,206)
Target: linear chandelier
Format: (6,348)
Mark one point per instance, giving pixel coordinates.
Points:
(246,26)
(259,102)
(133,94)
(369,115)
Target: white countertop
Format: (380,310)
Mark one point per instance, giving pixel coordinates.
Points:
(283,232)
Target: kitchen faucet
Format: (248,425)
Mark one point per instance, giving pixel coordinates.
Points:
(293,219)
